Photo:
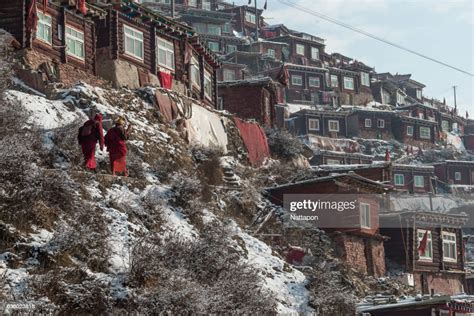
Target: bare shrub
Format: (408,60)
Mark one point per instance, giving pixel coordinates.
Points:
(283,145)
(207,277)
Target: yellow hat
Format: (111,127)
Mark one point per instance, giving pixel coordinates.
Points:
(120,120)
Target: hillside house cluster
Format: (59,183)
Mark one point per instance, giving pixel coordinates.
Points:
(229,58)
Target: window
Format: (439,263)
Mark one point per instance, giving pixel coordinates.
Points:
(165,53)
(200,28)
(348,83)
(410,130)
(380,123)
(192,3)
(206,5)
(333,126)
(133,42)
(299,49)
(296,80)
(419,181)
(400,98)
(229,74)
(195,73)
(207,85)
(231,48)
(425,132)
(368,123)
(214,29)
(449,247)
(399,179)
(314,53)
(332,162)
(313,124)
(445,126)
(428,253)
(457,176)
(75,42)
(314,82)
(418,94)
(226,28)
(365,215)
(271,52)
(334,81)
(365,79)
(250,17)
(43,32)
(214,46)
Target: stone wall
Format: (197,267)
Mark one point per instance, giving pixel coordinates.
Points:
(441,283)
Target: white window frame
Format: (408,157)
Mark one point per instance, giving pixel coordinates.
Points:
(368,122)
(400,98)
(135,39)
(399,179)
(250,17)
(419,94)
(425,132)
(445,125)
(195,73)
(206,5)
(314,53)
(228,75)
(211,43)
(419,181)
(420,234)
(333,162)
(214,27)
(167,48)
(271,52)
(410,130)
(296,80)
(348,83)
(334,79)
(46,26)
(457,176)
(207,85)
(192,3)
(365,215)
(365,79)
(300,49)
(333,129)
(314,127)
(314,78)
(449,244)
(76,40)
(380,123)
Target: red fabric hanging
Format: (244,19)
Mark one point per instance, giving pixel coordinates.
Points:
(283,76)
(45,4)
(81,6)
(167,107)
(32,19)
(166,80)
(423,244)
(188,53)
(255,140)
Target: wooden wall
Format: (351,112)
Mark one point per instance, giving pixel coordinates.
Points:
(13,18)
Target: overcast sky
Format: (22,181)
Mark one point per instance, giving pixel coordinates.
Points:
(441,29)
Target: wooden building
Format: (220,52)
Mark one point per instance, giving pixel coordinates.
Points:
(429,246)
(258,103)
(320,122)
(414,131)
(308,85)
(245,19)
(455,172)
(379,171)
(370,123)
(412,178)
(361,245)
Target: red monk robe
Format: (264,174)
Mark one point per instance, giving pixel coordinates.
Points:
(88,135)
(115,142)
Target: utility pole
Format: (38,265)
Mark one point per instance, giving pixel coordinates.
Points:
(455,104)
(172,8)
(257,19)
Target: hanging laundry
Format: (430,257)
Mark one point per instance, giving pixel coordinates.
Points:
(188,53)
(206,128)
(255,140)
(283,76)
(166,79)
(32,19)
(167,106)
(81,6)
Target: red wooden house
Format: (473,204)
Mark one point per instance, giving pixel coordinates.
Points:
(358,244)
(412,178)
(456,173)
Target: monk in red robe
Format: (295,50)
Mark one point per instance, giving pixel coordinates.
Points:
(115,142)
(89,134)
